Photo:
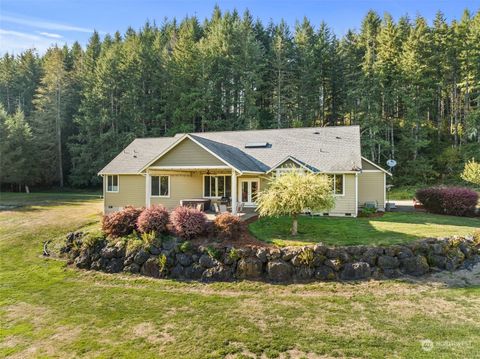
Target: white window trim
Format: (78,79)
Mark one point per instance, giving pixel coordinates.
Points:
(343,184)
(215,175)
(118,184)
(150,186)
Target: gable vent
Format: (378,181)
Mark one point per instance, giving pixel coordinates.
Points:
(258,145)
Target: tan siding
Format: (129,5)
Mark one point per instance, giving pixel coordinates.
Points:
(131,192)
(289,164)
(182,186)
(188,153)
(368,166)
(346,203)
(371,187)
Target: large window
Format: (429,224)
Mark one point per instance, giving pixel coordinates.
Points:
(160,186)
(337,184)
(217,186)
(112,183)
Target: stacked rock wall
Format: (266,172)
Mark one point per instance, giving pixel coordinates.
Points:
(170,259)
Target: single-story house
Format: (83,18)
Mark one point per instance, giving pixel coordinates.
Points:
(235,165)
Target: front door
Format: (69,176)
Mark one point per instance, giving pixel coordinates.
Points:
(248,191)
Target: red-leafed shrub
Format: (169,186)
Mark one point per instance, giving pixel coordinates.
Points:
(227,226)
(455,201)
(188,222)
(153,219)
(121,223)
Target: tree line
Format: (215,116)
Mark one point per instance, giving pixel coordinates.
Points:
(413,87)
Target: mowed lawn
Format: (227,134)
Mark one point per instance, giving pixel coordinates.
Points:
(392,228)
(50,310)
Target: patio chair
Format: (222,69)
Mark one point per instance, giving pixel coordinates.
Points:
(216,209)
(223,208)
(240,207)
(200,207)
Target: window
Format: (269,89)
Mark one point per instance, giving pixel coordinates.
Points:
(112,183)
(337,184)
(160,186)
(217,186)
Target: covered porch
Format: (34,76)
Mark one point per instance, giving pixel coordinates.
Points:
(213,189)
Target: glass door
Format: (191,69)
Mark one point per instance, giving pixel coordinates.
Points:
(248,191)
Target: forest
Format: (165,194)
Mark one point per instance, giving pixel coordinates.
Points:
(412,86)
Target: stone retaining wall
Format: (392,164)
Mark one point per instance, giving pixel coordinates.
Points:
(166,259)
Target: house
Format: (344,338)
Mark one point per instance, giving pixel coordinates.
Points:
(238,164)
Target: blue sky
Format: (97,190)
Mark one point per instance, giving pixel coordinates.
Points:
(39,23)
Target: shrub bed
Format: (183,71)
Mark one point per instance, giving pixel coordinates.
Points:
(153,219)
(455,201)
(121,223)
(188,222)
(227,226)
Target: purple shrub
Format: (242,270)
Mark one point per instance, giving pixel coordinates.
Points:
(455,201)
(153,219)
(121,223)
(188,222)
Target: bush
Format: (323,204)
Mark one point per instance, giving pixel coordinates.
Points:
(455,201)
(153,219)
(227,226)
(121,223)
(188,222)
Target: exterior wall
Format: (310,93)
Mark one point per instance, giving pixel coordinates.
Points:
(371,187)
(188,153)
(346,203)
(182,186)
(131,192)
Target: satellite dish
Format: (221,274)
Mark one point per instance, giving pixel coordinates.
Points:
(391,163)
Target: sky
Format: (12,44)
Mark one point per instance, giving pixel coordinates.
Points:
(40,23)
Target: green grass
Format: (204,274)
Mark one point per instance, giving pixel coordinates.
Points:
(50,310)
(392,228)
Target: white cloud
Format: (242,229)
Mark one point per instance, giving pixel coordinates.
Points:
(49,34)
(41,24)
(16,42)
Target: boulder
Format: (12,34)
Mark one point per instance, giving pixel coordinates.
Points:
(274,253)
(279,271)
(151,268)
(391,273)
(133,268)
(169,244)
(154,250)
(415,266)
(388,262)
(262,254)
(320,249)
(83,260)
(184,259)
(141,257)
(454,259)
(436,260)
(108,252)
(114,265)
(249,268)
(404,252)
(289,252)
(218,273)
(356,271)
(206,261)
(370,256)
(304,273)
(194,271)
(338,253)
(466,249)
(177,272)
(100,264)
(335,264)
(325,273)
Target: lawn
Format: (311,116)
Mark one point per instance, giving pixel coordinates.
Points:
(392,228)
(50,310)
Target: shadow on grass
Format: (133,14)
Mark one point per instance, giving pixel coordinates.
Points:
(27,202)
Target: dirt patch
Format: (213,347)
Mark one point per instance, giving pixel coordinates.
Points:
(152,334)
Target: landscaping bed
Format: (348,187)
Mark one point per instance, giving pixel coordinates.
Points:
(170,257)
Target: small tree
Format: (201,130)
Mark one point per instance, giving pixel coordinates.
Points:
(293,193)
(471,172)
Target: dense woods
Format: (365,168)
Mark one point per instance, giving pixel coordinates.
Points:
(413,87)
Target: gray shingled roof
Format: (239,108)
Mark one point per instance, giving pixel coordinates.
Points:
(137,154)
(324,149)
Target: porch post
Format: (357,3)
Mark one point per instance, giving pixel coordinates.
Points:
(147,190)
(234,192)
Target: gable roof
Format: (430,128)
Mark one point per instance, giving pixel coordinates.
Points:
(322,149)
